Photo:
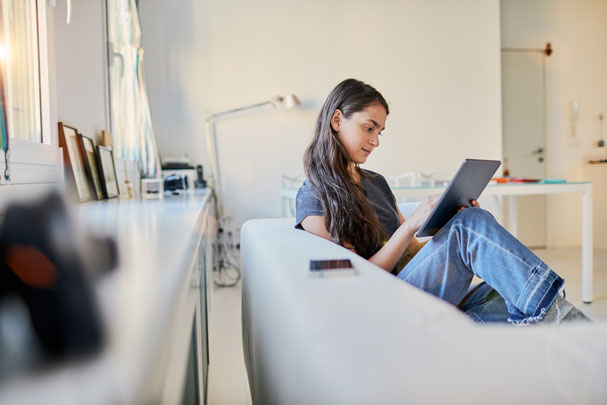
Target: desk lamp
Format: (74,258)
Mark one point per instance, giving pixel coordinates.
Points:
(287,101)
(222,259)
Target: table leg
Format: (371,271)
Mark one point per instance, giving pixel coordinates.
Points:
(512,215)
(286,207)
(587,245)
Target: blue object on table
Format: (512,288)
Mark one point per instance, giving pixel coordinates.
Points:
(553,181)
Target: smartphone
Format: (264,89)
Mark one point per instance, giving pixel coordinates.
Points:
(334,267)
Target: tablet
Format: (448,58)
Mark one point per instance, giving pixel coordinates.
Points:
(468,183)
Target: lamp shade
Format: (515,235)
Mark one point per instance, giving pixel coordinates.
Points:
(288,101)
(291,101)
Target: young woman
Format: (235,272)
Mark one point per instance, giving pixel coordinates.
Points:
(355,208)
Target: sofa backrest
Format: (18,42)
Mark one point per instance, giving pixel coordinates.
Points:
(372,338)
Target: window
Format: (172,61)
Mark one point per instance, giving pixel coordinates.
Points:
(34,156)
(20,70)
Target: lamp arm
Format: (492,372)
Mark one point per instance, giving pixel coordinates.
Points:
(212,151)
(247,107)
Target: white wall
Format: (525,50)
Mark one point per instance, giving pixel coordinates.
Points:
(436,62)
(577,70)
(80,66)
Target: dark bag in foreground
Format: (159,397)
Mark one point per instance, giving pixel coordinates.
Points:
(42,262)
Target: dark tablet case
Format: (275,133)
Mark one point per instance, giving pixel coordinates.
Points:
(468,183)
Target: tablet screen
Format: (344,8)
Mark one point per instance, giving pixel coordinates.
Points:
(468,183)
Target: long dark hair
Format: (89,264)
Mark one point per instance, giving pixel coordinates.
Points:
(349,217)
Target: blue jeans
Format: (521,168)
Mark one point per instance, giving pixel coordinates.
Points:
(473,243)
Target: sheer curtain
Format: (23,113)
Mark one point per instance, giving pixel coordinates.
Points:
(130,110)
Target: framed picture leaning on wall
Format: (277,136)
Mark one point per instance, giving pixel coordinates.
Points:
(108,171)
(74,161)
(92,168)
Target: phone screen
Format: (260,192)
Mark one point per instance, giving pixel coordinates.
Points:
(326,265)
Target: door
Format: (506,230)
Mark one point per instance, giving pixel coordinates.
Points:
(523,128)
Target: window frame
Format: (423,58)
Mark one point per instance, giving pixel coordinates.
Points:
(35,163)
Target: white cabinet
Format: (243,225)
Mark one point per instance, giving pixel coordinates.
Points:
(154,307)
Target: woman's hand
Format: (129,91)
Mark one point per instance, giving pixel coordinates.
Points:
(474,203)
(416,220)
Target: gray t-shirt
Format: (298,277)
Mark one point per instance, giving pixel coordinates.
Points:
(379,196)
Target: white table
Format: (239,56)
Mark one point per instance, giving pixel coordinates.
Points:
(511,191)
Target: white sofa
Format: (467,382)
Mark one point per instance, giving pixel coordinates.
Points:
(373,339)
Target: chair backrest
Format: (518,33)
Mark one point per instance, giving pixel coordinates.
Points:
(407,208)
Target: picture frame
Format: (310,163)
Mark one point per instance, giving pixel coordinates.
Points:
(74,161)
(109,180)
(128,173)
(123,186)
(87,146)
(107,139)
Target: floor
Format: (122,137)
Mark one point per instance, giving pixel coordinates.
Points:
(228,382)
